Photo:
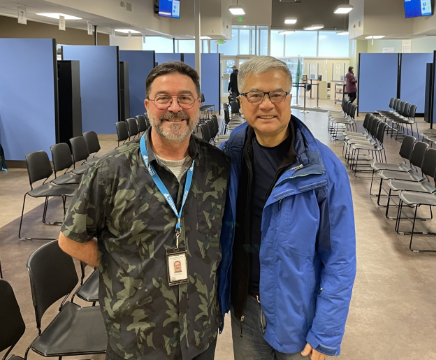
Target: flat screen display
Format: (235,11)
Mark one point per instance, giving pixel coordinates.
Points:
(169,8)
(416,8)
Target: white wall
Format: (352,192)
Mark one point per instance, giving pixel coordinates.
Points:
(126,43)
(424,45)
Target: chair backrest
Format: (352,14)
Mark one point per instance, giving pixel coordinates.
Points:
(234,105)
(205,132)
(226,116)
(428,167)
(407,147)
(61,156)
(92,142)
(122,131)
(406,108)
(418,154)
(142,125)
(391,103)
(352,112)
(133,126)
(374,126)
(371,119)
(12,326)
(216,127)
(202,98)
(52,276)
(366,121)
(412,111)
(381,132)
(147,120)
(211,126)
(38,166)
(79,148)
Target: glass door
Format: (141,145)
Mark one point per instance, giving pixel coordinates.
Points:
(226,70)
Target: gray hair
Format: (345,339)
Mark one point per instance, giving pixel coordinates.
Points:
(261,64)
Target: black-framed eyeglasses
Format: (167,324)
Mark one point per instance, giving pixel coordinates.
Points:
(163,101)
(256,97)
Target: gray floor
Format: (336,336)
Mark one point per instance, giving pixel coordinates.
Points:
(393,312)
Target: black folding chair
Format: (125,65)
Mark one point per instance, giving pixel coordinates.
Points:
(133,127)
(75,330)
(122,132)
(12,326)
(80,151)
(62,160)
(142,124)
(39,168)
(92,142)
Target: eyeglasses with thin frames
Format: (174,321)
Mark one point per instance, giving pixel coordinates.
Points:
(163,102)
(256,97)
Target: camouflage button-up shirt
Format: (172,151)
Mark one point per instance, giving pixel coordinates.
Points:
(119,204)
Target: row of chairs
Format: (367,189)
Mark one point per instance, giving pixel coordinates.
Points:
(400,117)
(132,127)
(412,184)
(344,120)
(75,330)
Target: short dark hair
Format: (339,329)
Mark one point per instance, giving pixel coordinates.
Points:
(174,67)
(350,68)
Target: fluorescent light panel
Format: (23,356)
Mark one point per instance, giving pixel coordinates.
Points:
(342,33)
(290,21)
(126,31)
(314,27)
(343,9)
(57,15)
(286,32)
(375,37)
(236,10)
(205,37)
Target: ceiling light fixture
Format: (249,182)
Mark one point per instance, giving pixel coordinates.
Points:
(286,32)
(236,10)
(342,33)
(57,15)
(290,21)
(205,37)
(375,37)
(314,27)
(126,31)
(343,9)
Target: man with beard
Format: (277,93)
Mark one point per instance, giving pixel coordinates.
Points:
(144,207)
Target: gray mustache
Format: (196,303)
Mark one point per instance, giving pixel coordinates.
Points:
(175,116)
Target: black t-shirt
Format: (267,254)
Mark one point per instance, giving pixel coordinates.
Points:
(266,162)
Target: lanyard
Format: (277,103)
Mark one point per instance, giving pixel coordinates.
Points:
(162,188)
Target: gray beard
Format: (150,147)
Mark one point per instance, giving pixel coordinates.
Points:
(175,133)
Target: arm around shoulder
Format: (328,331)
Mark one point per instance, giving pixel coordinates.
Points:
(86,252)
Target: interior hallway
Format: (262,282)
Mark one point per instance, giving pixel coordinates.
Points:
(392,313)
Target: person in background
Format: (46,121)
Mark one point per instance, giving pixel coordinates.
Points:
(233,83)
(350,86)
(148,215)
(288,239)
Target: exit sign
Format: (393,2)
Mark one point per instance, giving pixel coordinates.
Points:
(240,18)
(220,42)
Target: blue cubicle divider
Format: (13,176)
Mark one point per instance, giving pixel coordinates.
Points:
(99,86)
(140,65)
(377,81)
(166,57)
(211,79)
(189,59)
(413,74)
(28,96)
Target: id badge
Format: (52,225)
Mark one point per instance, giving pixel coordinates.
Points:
(177,266)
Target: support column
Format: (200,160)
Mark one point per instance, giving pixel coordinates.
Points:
(197,31)
(95,34)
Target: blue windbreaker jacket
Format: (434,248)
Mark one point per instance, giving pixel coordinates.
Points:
(307,254)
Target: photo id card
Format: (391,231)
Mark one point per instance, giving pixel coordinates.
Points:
(177,263)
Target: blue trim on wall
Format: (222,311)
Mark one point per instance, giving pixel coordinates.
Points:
(161,58)
(27,96)
(140,65)
(378,81)
(98,85)
(413,73)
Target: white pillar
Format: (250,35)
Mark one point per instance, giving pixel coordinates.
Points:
(197,20)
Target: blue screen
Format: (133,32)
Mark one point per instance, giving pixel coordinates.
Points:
(169,8)
(416,8)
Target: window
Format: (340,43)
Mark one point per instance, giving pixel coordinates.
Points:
(205,48)
(301,43)
(277,43)
(262,37)
(186,46)
(158,44)
(244,42)
(231,46)
(332,45)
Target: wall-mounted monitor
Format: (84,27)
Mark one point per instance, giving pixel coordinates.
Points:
(417,8)
(168,8)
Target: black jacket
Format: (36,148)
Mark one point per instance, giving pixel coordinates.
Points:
(233,83)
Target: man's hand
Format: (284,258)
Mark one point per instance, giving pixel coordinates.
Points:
(312,353)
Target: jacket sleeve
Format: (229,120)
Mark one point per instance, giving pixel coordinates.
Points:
(337,250)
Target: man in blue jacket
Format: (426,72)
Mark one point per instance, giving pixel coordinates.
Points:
(288,239)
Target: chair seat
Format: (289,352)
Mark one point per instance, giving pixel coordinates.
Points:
(75,330)
(91,161)
(68,178)
(53,190)
(81,170)
(397,175)
(368,146)
(401,185)
(206,107)
(414,198)
(15,357)
(89,290)
(402,167)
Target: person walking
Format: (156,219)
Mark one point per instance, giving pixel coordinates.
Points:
(350,86)
(288,242)
(148,215)
(233,83)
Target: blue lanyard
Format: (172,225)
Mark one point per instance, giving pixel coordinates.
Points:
(162,188)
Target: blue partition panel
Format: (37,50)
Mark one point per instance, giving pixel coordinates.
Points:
(140,65)
(28,103)
(166,57)
(211,79)
(377,82)
(99,86)
(413,73)
(189,59)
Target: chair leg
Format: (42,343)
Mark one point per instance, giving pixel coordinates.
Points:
(413,228)
(22,215)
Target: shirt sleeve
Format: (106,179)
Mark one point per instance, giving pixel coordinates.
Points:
(86,214)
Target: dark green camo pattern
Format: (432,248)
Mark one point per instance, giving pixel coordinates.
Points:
(119,204)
